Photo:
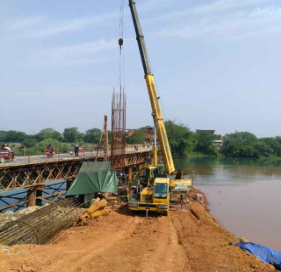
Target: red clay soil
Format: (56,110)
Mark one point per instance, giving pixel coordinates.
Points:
(187,240)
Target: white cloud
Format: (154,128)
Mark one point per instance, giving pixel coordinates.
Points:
(70,25)
(242,23)
(78,49)
(37,27)
(217,6)
(150,5)
(20,23)
(70,56)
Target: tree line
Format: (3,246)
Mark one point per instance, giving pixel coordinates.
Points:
(61,142)
(69,135)
(183,141)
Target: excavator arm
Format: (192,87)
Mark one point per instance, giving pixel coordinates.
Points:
(153,95)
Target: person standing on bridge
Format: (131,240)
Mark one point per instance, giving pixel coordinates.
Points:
(76,150)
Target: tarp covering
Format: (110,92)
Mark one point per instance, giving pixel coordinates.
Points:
(94,177)
(265,254)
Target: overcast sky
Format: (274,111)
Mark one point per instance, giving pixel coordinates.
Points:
(216,63)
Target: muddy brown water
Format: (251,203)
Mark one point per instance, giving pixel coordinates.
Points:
(244,195)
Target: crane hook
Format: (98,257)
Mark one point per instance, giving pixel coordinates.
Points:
(120,42)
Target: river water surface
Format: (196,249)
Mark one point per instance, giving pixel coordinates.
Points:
(244,195)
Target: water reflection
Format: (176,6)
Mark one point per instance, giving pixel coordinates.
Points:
(244,194)
(231,168)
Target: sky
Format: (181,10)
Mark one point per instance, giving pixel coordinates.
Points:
(216,63)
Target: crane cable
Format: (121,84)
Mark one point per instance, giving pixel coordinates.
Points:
(120,42)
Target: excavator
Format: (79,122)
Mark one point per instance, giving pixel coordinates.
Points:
(159,188)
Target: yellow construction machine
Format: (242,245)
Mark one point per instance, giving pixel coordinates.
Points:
(158,187)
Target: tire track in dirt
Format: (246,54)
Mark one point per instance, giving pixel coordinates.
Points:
(176,259)
(168,254)
(81,258)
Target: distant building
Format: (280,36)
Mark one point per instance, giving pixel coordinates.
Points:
(212,132)
(148,133)
(218,142)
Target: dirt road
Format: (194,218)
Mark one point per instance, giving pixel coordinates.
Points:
(189,240)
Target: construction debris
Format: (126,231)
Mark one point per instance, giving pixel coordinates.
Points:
(41,225)
(95,210)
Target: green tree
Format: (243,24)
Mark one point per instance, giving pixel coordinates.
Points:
(14,136)
(92,135)
(137,138)
(71,135)
(182,140)
(277,148)
(205,144)
(48,133)
(29,141)
(263,149)
(3,134)
(239,144)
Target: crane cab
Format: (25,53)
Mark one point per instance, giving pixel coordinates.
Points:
(156,198)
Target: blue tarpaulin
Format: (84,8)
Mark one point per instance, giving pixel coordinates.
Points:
(265,254)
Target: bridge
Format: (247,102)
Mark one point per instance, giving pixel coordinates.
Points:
(34,176)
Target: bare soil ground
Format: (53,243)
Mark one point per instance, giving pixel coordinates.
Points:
(187,240)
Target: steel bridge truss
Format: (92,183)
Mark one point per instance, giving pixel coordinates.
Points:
(28,175)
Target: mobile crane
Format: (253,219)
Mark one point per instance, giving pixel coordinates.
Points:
(155,196)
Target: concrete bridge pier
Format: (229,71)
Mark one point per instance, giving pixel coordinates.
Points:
(31,197)
(34,196)
(69,183)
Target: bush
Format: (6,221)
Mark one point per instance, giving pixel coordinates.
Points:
(239,144)
(57,146)
(205,144)
(137,138)
(29,141)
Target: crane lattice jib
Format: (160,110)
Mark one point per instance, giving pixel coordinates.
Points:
(153,95)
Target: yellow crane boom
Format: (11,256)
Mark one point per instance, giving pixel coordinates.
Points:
(153,95)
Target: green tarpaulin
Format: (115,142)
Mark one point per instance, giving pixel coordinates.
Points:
(94,177)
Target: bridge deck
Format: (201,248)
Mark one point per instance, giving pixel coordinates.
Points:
(34,173)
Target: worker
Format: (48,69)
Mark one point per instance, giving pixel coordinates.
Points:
(50,149)
(76,150)
(138,188)
(3,147)
(179,174)
(8,148)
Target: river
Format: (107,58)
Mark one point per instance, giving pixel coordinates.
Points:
(244,195)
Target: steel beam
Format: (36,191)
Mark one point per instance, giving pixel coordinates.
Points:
(30,175)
